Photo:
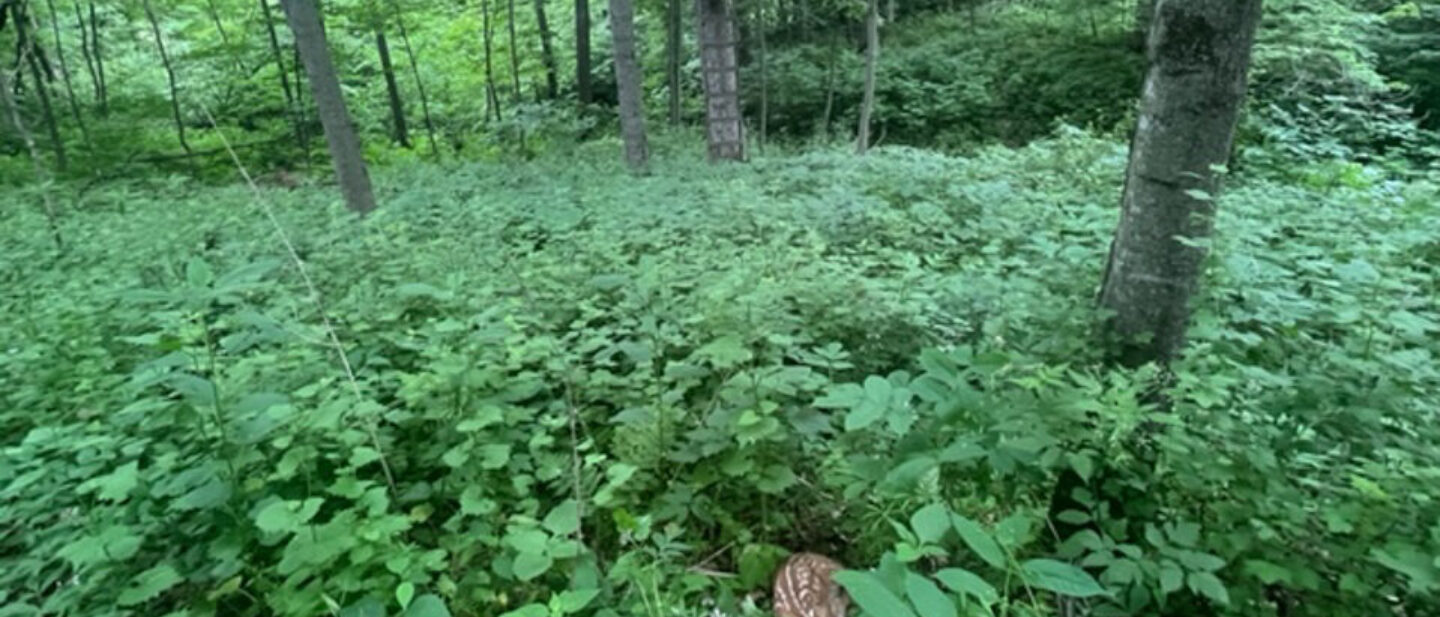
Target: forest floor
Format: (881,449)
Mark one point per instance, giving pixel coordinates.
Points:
(509,328)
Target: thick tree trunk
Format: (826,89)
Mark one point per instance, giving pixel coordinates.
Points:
(627,79)
(419,83)
(169,76)
(582,52)
(720,72)
(104,92)
(1199,56)
(547,52)
(73,100)
(872,56)
(673,43)
(42,179)
(487,32)
(392,91)
(304,20)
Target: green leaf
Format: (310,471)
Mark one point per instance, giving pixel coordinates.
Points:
(725,352)
(529,610)
(527,566)
(574,600)
(207,496)
(931,522)
(149,584)
(929,601)
(966,582)
(1061,578)
(428,605)
(278,517)
(1208,585)
(871,595)
(116,485)
(564,519)
(1268,573)
(978,540)
(1083,465)
(872,405)
(1172,578)
(527,540)
(404,593)
(495,455)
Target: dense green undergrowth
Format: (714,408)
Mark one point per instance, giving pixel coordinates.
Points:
(577,392)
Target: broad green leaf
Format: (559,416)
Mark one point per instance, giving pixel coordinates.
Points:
(527,540)
(1268,573)
(978,540)
(1208,585)
(495,455)
(527,566)
(931,522)
(428,605)
(1172,578)
(564,519)
(929,601)
(404,593)
(529,610)
(1061,577)
(575,599)
(207,496)
(872,406)
(116,485)
(966,582)
(148,584)
(871,595)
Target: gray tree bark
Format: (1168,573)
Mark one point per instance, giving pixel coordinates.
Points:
(350,171)
(720,73)
(627,79)
(547,52)
(872,56)
(1199,57)
(582,52)
(392,92)
(673,42)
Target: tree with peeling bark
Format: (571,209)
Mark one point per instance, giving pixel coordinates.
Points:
(350,171)
(1199,54)
(720,74)
(627,80)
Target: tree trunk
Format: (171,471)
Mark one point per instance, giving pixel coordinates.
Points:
(29,49)
(169,76)
(514,52)
(42,179)
(302,109)
(627,78)
(673,42)
(1194,90)
(219,25)
(297,119)
(1144,15)
(764,78)
(419,83)
(392,91)
(827,121)
(547,52)
(104,93)
(582,52)
(724,129)
(872,55)
(487,32)
(73,100)
(85,52)
(350,170)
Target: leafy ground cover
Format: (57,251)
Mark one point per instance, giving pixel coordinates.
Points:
(565,390)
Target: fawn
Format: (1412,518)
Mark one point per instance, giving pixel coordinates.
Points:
(803,588)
